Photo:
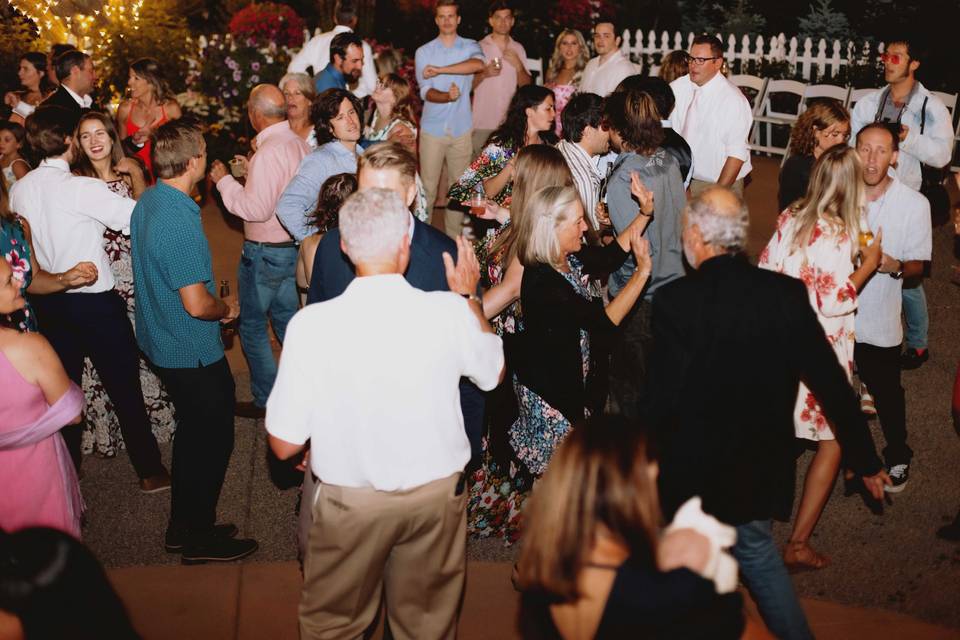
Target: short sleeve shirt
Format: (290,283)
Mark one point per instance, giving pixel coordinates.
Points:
(449,118)
(170,251)
(492,96)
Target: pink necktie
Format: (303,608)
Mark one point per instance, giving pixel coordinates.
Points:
(690,118)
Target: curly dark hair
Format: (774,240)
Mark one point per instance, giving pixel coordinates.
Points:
(333,192)
(325,108)
(634,116)
(512,132)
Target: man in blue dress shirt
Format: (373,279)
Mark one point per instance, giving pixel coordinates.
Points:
(346,62)
(445,68)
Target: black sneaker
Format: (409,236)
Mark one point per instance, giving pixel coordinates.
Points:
(215,549)
(913,359)
(899,473)
(175,539)
(951,531)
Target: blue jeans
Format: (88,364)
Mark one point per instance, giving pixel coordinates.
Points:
(916,317)
(267,290)
(762,571)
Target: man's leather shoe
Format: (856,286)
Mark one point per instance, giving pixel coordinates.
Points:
(213,549)
(248,410)
(175,539)
(155,484)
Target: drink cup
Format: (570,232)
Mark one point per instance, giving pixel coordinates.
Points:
(237,168)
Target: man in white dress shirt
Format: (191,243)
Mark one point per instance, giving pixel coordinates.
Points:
(387,438)
(714,117)
(604,72)
(316,51)
(68,215)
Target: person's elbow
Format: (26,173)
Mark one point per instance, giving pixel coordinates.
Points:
(282,449)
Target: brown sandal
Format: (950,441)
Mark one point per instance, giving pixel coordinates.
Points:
(799,557)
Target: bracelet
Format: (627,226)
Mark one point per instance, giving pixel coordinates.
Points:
(645,215)
(474,297)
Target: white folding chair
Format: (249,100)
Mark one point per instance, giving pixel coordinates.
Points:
(814,91)
(535,68)
(751,86)
(768,114)
(948,99)
(856,95)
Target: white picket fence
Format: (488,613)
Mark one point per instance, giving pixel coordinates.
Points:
(804,57)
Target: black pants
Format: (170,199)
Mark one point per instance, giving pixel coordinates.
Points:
(879,369)
(628,361)
(96,325)
(203,398)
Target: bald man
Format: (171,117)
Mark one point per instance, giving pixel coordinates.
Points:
(733,342)
(266,277)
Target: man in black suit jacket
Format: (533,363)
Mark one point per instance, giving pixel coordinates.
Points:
(77,79)
(731,345)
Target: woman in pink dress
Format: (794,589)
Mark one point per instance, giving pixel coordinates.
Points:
(569,58)
(817,241)
(36,399)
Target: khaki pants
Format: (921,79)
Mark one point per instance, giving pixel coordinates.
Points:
(699,186)
(480,140)
(435,151)
(406,547)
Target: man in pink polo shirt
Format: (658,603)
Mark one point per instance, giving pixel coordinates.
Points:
(504,72)
(267,286)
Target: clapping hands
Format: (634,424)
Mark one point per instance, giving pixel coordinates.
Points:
(463,277)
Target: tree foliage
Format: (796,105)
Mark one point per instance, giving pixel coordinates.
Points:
(823,21)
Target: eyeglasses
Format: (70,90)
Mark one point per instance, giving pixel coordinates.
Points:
(700,61)
(837,135)
(892,58)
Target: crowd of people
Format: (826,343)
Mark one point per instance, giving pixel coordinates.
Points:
(572,351)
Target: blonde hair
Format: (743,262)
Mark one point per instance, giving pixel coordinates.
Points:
(390,155)
(599,479)
(537,234)
(538,166)
(820,115)
(835,194)
(556,60)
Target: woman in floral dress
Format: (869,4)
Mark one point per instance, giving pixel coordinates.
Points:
(501,484)
(529,120)
(570,57)
(817,241)
(99,155)
(560,313)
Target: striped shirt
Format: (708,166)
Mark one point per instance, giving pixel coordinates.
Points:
(586,177)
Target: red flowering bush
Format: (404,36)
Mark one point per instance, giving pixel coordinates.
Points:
(581,14)
(267,22)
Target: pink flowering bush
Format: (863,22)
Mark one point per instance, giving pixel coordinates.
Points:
(581,14)
(260,23)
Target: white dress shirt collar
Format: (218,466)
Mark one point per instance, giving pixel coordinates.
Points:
(85,101)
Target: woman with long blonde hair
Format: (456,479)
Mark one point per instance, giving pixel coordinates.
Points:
(817,241)
(570,57)
(825,124)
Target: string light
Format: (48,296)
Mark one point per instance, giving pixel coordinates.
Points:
(53,28)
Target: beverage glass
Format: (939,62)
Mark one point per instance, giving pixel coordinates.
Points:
(497,64)
(477,204)
(237,168)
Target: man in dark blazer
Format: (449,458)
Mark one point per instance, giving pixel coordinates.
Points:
(731,344)
(77,78)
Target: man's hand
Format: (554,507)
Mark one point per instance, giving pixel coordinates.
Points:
(453,92)
(218,171)
(875,483)
(233,309)
(463,277)
(643,195)
(491,70)
(904,130)
(603,215)
(511,56)
(430,71)
(11,99)
(888,264)
(129,166)
(683,548)
(81,275)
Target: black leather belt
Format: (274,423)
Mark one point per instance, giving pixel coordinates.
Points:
(277,245)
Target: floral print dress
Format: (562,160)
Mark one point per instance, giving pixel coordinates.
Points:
(102,432)
(16,251)
(541,428)
(499,487)
(489,163)
(825,268)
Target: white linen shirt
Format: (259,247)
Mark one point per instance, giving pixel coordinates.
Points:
(67,216)
(372,377)
(904,216)
(602,79)
(727,111)
(316,53)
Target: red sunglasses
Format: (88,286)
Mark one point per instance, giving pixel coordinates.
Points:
(892,58)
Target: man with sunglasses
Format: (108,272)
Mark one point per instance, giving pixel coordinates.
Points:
(926,137)
(714,117)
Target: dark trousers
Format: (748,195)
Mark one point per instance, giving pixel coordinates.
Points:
(879,369)
(203,398)
(628,361)
(96,325)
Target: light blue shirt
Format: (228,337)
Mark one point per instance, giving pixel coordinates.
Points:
(449,118)
(299,199)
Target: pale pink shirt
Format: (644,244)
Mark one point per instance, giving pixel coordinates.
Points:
(279,152)
(492,96)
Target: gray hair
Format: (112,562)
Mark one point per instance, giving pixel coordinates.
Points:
(546,210)
(719,226)
(304,82)
(372,224)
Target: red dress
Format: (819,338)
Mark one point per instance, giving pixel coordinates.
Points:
(144,153)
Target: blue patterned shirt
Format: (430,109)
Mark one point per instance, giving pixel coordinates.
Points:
(450,118)
(170,251)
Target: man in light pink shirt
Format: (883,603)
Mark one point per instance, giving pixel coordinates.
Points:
(267,286)
(504,72)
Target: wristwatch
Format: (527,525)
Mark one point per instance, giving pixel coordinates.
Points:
(896,275)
